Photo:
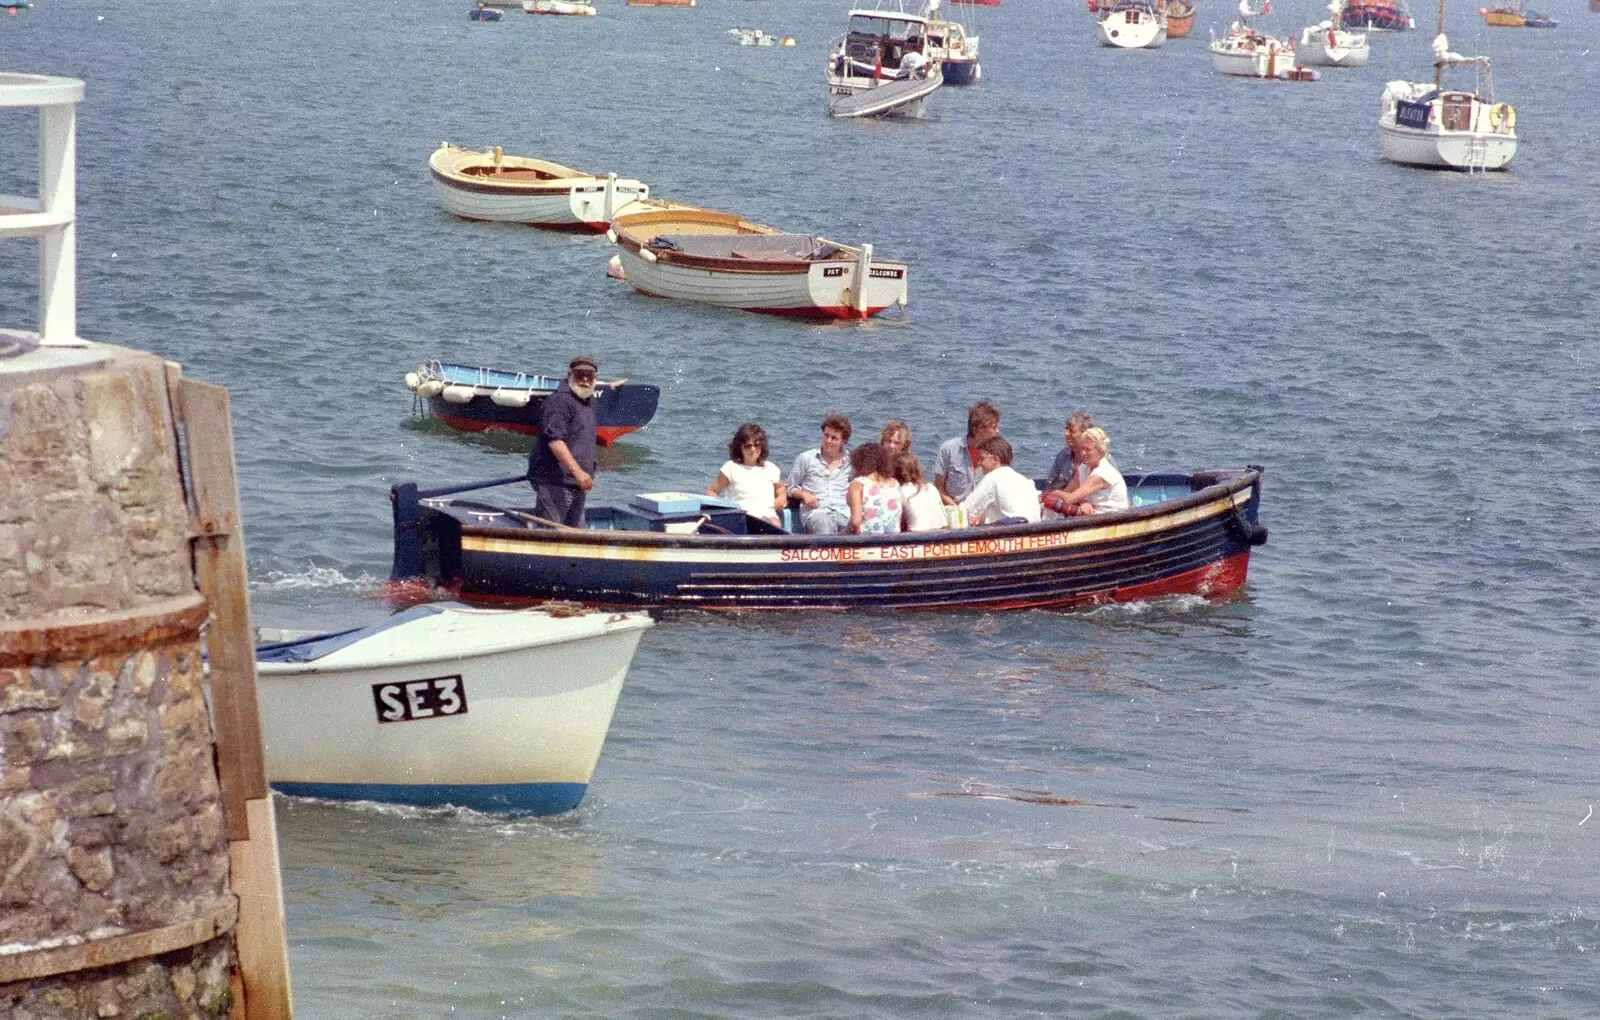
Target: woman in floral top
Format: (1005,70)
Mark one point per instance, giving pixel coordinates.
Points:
(874,493)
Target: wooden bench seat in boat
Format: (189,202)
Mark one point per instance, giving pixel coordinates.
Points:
(509,173)
(765,247)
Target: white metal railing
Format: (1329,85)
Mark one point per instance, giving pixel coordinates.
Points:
(50,215)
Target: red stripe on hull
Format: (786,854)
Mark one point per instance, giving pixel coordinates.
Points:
(605,434)
(1214,581)
(567,228)
(832,313)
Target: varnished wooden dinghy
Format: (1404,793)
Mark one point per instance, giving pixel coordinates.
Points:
(490,185)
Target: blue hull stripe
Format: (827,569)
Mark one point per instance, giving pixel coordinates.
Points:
(960,72)
(1198,544)
(1061,574)
(491,798)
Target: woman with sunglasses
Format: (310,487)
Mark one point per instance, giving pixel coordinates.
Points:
(749,478)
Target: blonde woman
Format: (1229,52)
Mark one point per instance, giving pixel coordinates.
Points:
(895,438)
(1102,491)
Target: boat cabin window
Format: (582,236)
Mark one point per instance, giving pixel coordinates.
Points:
(886,28)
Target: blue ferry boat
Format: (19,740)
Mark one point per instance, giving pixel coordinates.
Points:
(1185,534)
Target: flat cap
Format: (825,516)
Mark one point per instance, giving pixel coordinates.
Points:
(582,361)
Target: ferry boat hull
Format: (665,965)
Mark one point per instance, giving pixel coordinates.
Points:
(1193,538)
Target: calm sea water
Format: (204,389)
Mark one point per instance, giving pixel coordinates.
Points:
(1363,788)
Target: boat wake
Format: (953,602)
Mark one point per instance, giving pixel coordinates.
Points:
(312,578)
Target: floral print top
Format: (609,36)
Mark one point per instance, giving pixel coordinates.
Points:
(880,507)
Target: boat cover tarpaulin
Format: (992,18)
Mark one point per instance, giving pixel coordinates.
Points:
(747,246)
(313,648)
(884,98)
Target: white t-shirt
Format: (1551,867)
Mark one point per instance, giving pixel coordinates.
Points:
(752,487)
(1115,495)
(924,508)
(1005,492)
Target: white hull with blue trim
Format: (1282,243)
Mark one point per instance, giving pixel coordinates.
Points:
(495,710)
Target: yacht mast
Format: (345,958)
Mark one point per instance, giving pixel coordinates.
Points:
(1438,63)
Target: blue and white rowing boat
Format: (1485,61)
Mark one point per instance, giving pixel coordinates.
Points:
(1186,534)
(470,398)
(495,710)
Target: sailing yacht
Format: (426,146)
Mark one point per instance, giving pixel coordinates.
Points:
(1328,45)
(1425,124)
(1133,25)
(1248,52)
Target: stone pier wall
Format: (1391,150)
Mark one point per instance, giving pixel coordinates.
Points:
(91,503)
(111,824)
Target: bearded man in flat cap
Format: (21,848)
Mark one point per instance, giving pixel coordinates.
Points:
(561,465)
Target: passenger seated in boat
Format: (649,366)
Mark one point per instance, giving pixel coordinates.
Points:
(1068,470)
(874,494)
(895,439)
(1004,496)
(749,478)
(955,470)
(1101,491)
(924,510)
(820,479)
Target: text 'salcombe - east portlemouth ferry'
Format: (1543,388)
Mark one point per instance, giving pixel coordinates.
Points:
(1185,535)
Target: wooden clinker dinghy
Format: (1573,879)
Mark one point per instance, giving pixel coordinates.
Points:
(490,185)
(720,259)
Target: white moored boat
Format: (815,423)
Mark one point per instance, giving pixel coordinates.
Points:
(719,259)
(495,710)
(1132,25)
(952,47)
(1247,52)
(1328,45)
(489,185)
(885,53)
(1425,124)
(557,7)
